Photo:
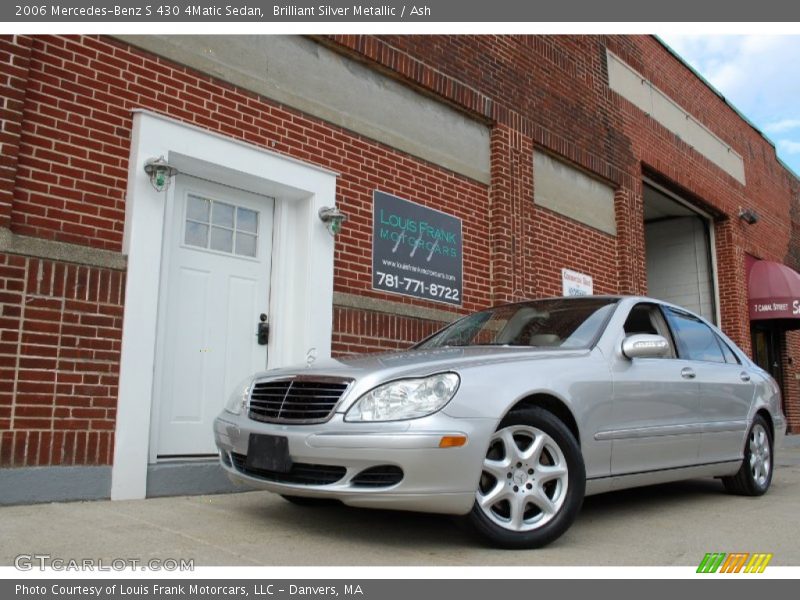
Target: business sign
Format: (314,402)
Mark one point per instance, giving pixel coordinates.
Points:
(775,308)
(576,284)
(416,251)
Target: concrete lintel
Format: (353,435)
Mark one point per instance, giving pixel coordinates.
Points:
(346,300)
(12,243)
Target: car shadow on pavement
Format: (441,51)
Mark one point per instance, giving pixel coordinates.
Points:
(421,530)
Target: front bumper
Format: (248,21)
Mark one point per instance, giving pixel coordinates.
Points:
(434,479)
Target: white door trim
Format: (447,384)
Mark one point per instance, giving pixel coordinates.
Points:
(301,300)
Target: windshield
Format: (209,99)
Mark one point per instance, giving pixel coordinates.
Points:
(557,323)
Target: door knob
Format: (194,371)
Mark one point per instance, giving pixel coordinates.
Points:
(744,376)
(687,373)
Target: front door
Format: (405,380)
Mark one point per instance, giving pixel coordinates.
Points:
(655,404)
(215,288)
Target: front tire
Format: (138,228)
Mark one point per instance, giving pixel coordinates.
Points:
(755,474)
(532,481)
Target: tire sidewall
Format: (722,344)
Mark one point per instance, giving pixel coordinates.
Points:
(576,486)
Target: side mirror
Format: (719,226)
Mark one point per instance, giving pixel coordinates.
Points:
(645,345)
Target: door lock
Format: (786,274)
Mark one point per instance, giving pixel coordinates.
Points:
(263,330)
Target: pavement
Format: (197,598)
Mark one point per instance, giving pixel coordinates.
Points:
(673,524)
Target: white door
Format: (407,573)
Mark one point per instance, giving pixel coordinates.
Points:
(215,289)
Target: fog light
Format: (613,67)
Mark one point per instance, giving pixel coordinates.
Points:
(452,441)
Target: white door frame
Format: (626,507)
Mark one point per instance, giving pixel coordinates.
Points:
(301,298)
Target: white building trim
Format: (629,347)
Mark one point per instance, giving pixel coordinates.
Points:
(301,300)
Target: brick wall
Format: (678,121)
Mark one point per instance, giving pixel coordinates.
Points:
(60,333)
(68,180)
(553,90)
(357,331)
(66,123)
(14,61)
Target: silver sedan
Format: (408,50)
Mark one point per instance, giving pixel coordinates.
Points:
(510,416)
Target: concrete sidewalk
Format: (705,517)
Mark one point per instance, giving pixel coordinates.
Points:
(673,524)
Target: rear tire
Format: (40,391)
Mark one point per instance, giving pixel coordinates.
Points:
(755,474)
(532,482)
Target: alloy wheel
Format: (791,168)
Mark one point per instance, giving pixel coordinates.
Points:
(760,456)
(524,479)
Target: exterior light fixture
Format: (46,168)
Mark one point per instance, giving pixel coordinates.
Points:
(333,218)
(160,172)
(748,215)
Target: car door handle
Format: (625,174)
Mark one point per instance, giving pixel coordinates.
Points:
(687,373)
(744,376)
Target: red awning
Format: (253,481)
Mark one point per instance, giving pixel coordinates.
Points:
(774,291)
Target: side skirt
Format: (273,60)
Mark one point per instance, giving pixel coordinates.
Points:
(601,485)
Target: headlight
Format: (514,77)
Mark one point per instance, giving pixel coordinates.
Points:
(405,399)
(238,398)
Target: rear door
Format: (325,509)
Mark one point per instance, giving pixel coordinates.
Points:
(724,387)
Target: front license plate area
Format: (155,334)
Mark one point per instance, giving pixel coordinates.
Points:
(268,453)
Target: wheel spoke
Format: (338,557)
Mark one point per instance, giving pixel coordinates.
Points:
(510,444)
(540,499)
(517,502)
(753,460)
(534,452)
(497,468)
(495,495)
(545,474)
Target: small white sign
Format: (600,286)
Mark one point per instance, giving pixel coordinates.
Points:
(576,284)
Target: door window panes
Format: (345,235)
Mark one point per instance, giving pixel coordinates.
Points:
(246,220)
(221,239)
(196,234)
(220,226)
(694,338)
(222,215)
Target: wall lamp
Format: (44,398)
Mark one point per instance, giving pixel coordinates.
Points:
(748,215)
(160,172)
(333,218)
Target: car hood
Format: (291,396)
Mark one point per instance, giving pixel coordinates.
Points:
(412,363)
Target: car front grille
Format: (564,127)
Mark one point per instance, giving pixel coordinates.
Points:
(300,473)
(296,400)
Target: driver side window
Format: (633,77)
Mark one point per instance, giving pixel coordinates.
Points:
(647,318)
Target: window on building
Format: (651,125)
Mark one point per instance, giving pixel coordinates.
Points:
(220,226)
